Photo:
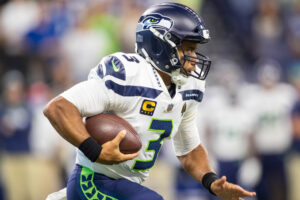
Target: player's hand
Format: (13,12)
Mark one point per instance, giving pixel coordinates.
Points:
(229,191)
(111,154)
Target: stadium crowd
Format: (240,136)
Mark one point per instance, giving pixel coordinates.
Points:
(249,118)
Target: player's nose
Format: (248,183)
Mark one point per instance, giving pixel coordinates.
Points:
(191,66)
(193,59)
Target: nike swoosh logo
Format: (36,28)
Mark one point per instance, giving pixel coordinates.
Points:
(116,69)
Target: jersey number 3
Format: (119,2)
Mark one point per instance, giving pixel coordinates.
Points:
(165,127)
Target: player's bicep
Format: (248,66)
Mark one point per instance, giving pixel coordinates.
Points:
(89,97)
(187,137)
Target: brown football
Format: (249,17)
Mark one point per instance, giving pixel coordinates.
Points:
(105,127)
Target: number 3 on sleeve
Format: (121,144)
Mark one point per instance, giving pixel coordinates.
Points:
(165,127)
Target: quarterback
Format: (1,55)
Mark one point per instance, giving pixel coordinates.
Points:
(157,90)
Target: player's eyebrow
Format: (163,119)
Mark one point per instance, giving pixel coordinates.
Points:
(190,48)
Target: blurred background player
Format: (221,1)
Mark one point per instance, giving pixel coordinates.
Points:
(15,125)
(229,129)
(271,104)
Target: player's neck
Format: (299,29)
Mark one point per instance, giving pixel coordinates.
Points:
(165,77)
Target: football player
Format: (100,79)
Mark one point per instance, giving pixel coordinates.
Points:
(157,90)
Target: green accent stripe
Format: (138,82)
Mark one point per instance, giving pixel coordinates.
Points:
(88,187)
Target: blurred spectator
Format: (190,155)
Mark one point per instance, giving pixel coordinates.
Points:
(294,162)
(102,19)
(36,70)
(293,29)
(49,152)
(293,36)
(271,102)
(15,127)
(52,22)
(128,23)
(83,47)
(16,18)
(60,77)
(268,32)
(230,24)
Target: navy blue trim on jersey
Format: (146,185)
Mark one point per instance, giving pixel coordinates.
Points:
(114,67)
(100,71)
(196,95)
(130,90)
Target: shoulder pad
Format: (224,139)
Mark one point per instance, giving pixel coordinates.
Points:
(118,65)
(113,67)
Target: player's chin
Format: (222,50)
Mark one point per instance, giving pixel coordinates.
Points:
(184,72)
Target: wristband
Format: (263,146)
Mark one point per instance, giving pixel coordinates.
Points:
(90,148)
(208,179)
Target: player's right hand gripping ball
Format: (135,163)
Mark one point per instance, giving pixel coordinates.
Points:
(105,127)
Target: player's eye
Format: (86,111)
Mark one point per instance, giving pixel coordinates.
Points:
(188,51)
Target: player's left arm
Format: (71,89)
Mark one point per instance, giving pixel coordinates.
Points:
(197,164)
(195,160)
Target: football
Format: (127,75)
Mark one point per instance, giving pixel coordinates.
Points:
(105,127)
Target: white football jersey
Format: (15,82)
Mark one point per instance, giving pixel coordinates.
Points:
(273,124)
(230,125)
(130,87)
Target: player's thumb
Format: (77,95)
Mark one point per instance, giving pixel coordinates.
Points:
(222,181)
(121,135)
(131,156)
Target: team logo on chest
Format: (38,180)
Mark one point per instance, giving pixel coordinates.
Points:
(148,107)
